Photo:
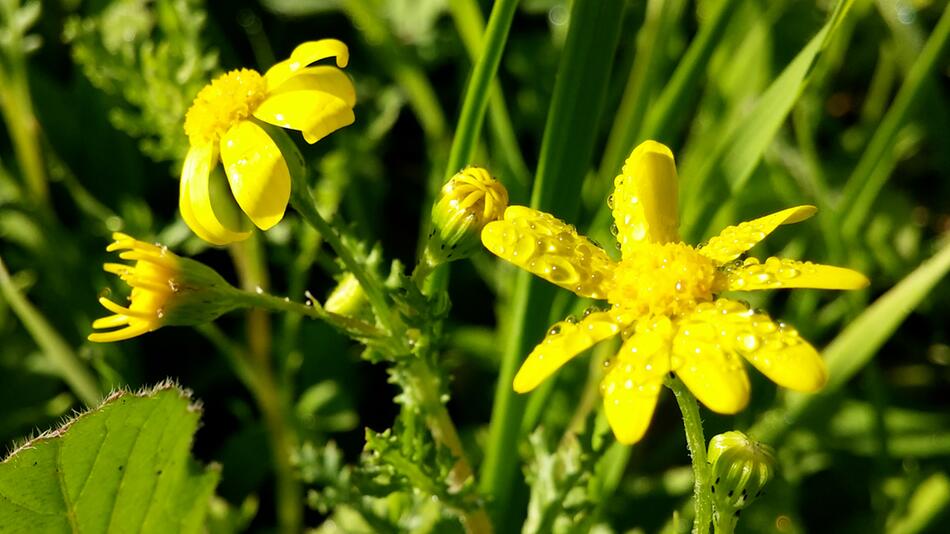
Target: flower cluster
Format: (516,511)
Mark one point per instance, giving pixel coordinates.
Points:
(663,298)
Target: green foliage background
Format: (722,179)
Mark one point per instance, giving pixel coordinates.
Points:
(761,115)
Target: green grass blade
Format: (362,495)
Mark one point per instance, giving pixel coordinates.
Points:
(739,151)
(853,348)
(566,153)
(864,184)
(62,356)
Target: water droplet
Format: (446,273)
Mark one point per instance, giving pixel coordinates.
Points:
(610,202)
(571,319)
(590,310)
(554,330)
(614,230)
(749,341)
(259,290)
(160,313)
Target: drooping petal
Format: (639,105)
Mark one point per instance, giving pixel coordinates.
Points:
(779,273)
(708,364)
(734,240)
(774,348)
(317,101)
(564,340)
(257,172)
(644,201)
(633,383)
(195,199)
(304,55)
(547,247)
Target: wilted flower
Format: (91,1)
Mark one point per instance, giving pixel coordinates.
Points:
(166,290)
(663,298)
(222,123)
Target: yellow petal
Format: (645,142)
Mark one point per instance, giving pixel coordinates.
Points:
(775,349)
(734,240)
(708,364)
(633,383)
(564,340)
(195,199)
(779,273)
(547,247)
(257,172)
(317,101)
(644,201)
(304,55)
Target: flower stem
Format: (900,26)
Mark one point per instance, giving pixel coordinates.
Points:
(696,442)
(271,400)
(58,352)
(347,325)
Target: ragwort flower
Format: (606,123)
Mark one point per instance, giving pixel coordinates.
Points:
(663,297)
(222,124)
(166,290)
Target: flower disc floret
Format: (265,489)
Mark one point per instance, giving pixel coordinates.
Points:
(662,279)
(227,100)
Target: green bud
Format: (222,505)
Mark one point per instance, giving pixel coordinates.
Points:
(741,468)
(347,298)
(166,290)
(467,202)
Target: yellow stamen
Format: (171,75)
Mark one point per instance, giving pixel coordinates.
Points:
(668,279)
(227,100)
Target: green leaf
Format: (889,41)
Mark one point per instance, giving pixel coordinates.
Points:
(123,467)
(739,151)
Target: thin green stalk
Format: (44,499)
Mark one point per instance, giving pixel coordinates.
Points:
(306,205)
(477,93)
(696,441)
(566,153)
(347,325)
(16,106)
(273,403)
(64,360)
(471,25)
(864,184)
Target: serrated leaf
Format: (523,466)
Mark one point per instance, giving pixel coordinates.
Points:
(123,467)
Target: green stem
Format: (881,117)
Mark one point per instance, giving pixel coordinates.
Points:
(693,424)
(64,360)
(347,325)
(271,400)
(16,106)
(306,205)
(477,92)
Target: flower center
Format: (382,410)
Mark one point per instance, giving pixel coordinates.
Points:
(228,99)
(668,279)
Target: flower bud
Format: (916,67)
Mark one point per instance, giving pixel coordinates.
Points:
(467,202)
(348,298)
(741,468)
(166,290)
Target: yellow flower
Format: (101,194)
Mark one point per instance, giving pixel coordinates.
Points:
(466,203)
(222,124)
(166,290)
(663,297)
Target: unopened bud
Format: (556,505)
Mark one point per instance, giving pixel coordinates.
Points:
(467,202)
(741,468)
(348,298)
(166,290)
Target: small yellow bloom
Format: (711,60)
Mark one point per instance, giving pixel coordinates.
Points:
(166,290)
(663,297)
(317,100)
(466,203)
